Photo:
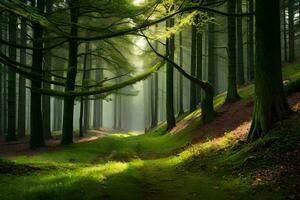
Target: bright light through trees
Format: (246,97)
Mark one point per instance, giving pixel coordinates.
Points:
(138,2)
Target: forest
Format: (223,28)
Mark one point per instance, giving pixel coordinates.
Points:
(149,99)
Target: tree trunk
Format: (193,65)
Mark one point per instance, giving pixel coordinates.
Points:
(291,4)
(251,42)
(270,103)
(67,134)
(45,98)
(58,103)
(119,124)
(81,118)
(2,78)
(180,101)
(11,128)
(5,19)
(22,84)
(170,48)
(232,94)
(193,95)
(83,106)
(199,66)
(86,120)
(154,93)
(240,45)
(155,110)
(284,34)
(1,99)
(98,104)
(46,101)
(36,125)
(116,112)
(211,68)
(207,105)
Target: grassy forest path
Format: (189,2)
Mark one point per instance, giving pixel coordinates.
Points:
(193,161)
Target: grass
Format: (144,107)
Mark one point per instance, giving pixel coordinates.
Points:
(133,166)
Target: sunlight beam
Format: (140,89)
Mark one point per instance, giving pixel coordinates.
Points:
(138,2)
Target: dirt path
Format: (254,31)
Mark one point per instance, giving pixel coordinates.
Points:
(21,147)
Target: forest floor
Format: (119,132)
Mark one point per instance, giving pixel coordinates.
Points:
(193,161)
(20,147)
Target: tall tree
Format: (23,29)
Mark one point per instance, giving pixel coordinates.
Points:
(199,64)
(180,98)
(284,32)
(86,119)
(291,4)
(68,114)
(5,20)
(117,112)
(193,90)
(36,125)
(211,51)
(270,102)
(22,83)
(81,113)
(98,103)
(250,46)
(45,98)
(84,104)
(154,100)
(232,94)
(11,126)
(154,95)
(3,31)
(170,49)
(240,45)
(58,102)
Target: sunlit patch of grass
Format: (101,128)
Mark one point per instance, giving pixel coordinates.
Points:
(291,72)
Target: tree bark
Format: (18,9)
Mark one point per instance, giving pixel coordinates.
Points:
(251,41)
(270,102)
(211,63)
(116,109)
(2,78)
(83,107)
(232,93)
(284,34)
(81,118)
(180,100)
(4,49)
(291,4)
(57,102)
(67,134)
(11,125)
(36,125)
(199,65)
(22,84)
(98,104)
(86,109)
(154,94)
(170,48)
(240,45)
(193,95)
(46,99)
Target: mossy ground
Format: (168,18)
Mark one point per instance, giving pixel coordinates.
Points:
(133,166)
